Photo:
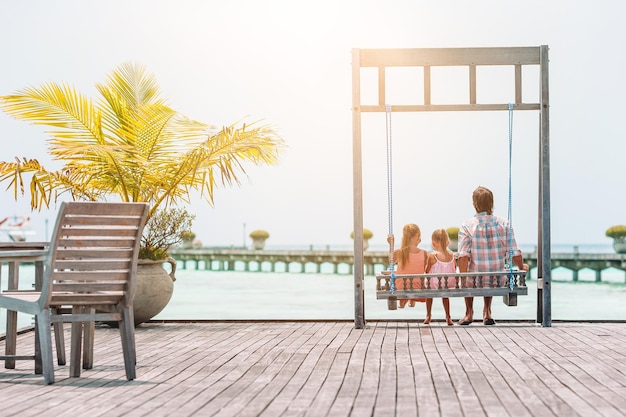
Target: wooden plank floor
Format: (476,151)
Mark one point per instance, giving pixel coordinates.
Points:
(331,369)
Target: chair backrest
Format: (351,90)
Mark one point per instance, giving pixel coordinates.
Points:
(92,258)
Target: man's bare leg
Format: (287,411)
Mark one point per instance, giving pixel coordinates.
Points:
(469,311)
(487,308)
(487,318)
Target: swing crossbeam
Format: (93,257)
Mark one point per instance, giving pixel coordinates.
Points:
(459,284)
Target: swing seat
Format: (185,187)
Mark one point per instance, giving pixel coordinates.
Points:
(466,284)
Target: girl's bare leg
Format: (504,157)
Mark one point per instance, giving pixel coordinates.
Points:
(446,308)
(429,310)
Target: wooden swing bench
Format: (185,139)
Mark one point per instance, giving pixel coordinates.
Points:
(466,284)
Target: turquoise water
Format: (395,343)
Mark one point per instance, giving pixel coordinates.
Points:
(258,295)
(262,295)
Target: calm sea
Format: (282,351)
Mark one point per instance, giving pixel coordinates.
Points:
(243,295)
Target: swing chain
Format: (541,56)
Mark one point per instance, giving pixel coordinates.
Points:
(509,258)
(390,194)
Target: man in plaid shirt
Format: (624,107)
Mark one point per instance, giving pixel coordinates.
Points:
(483,245)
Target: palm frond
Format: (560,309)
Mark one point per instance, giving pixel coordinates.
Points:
(73,115)
(220,157)
(43,183)
(135,85)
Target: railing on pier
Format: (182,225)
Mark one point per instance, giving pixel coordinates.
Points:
(343,261)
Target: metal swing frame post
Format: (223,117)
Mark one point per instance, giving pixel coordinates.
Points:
(426,58)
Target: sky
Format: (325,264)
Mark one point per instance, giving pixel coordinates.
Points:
(288,64)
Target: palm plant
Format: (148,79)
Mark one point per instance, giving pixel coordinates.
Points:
(453,233)
(616,232)
(129,145)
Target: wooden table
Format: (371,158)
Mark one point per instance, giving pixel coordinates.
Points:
(16,253)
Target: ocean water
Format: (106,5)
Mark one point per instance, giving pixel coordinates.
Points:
(240,295)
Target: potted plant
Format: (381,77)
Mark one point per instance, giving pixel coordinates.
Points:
(453,235)
(367,235)
(131,146)
(187,239)
(618,233)
(258,238)
(155,286)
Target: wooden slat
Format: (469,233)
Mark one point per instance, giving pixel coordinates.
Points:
(91,209)
(88,232)
(86,317)
(79,287)
(93,264)
(102,221)
(91,243)
(518,84)
(382,90)
(472,84)
(86,298)
(447,107)
(86,276)
(399,57)
(427,86)
(106,253)
(18,357)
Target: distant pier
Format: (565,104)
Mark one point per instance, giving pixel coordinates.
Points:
(295,261)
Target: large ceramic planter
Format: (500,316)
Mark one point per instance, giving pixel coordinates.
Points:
(367,235)
(258,242)
(619,244)
(154,288)
(454,245)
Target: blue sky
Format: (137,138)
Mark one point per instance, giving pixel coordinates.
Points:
(289,64)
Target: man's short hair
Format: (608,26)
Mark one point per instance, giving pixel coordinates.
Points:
(483,200)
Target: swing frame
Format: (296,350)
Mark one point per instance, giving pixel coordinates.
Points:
(470,58)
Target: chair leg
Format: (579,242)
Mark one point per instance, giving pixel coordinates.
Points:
(75,344)
(131,320)
(127,334)
(38,366)
(11,339)
(89,328)
(45,345)
(59,339)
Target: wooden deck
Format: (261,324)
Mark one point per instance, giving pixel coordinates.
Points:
(328,368)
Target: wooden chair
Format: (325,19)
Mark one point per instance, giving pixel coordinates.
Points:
(89,276)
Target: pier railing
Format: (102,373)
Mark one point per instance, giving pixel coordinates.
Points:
(343,261)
